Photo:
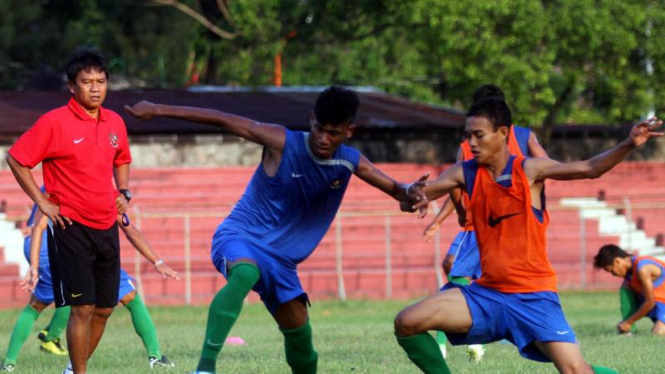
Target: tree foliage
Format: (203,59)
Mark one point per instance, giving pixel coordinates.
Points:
(572,61)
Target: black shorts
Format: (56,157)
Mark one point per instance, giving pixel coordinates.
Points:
(85,265)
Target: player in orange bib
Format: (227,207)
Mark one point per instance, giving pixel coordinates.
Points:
(462,262)
(645,277)
(516,296)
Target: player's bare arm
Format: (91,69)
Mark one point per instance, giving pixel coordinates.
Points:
(378,179)
(431,229)
(535,149)
(449,180)
(121,175)
(539,169)
(136,238)
(31,278)
(268,135)
(27,182)
(646,276)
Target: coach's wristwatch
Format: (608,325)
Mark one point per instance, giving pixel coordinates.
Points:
(126,194)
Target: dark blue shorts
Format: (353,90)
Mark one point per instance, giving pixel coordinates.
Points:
(521,318)
(279,282)
(467,260)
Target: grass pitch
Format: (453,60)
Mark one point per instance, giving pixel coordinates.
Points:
(351,337)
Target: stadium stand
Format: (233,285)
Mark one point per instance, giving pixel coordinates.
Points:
(383,254)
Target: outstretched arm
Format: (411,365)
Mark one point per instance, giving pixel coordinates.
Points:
(268,135)
(645,274)
(538,169)
(141,244)
(376,178)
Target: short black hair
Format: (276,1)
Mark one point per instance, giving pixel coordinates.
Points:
(494,109)
(607,254)
(486,91)
(85,59)
(336,105)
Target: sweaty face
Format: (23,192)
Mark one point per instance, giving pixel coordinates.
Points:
(325,139)
(484,140)
(89,88)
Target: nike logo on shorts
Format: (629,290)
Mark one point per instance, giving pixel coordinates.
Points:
(76,295)
(78,141)
(492,222)
(294,175)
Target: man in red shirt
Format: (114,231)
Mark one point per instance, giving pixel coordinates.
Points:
(82,147)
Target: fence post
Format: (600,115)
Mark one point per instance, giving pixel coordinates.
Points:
(188,262)
(582,250)
(341,291)
(137,255)
(389,275)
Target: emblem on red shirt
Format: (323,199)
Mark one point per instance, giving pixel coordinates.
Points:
(113,138)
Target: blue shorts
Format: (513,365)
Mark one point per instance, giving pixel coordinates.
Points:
(521,318)
(44,290)
(658,312)
(279,282)
(467,260)
(126,284)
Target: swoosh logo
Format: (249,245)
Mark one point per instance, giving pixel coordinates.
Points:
(294,175)
(492,222)
(214,344)
(562,332)
(78,141)
(77,295)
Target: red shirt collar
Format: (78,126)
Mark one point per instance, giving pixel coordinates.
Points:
(76,108)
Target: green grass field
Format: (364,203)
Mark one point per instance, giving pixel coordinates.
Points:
(351,337)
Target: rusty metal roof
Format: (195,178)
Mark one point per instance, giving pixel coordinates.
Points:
(290,107)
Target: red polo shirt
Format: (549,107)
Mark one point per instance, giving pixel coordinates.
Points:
(78,154)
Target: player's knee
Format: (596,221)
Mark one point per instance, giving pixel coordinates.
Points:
(658,331)
(404,325)
(38,305)
(103,313)
(245,273)
(82,312)
(448,265)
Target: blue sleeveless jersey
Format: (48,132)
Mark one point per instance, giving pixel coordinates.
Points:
(287,215)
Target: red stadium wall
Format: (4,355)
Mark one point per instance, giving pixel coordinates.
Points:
(380,250)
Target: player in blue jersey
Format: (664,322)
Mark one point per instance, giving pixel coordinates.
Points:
(462,262)
(286,209)
(38,281)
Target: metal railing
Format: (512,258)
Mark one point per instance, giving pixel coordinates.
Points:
(381,218)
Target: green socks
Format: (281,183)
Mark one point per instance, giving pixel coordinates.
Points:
(462,281)
(144,326)
(58,323)
(441,338)
(628,304)
(224,311)
(20,334)
(602,370)
(300,353)
(424,352)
